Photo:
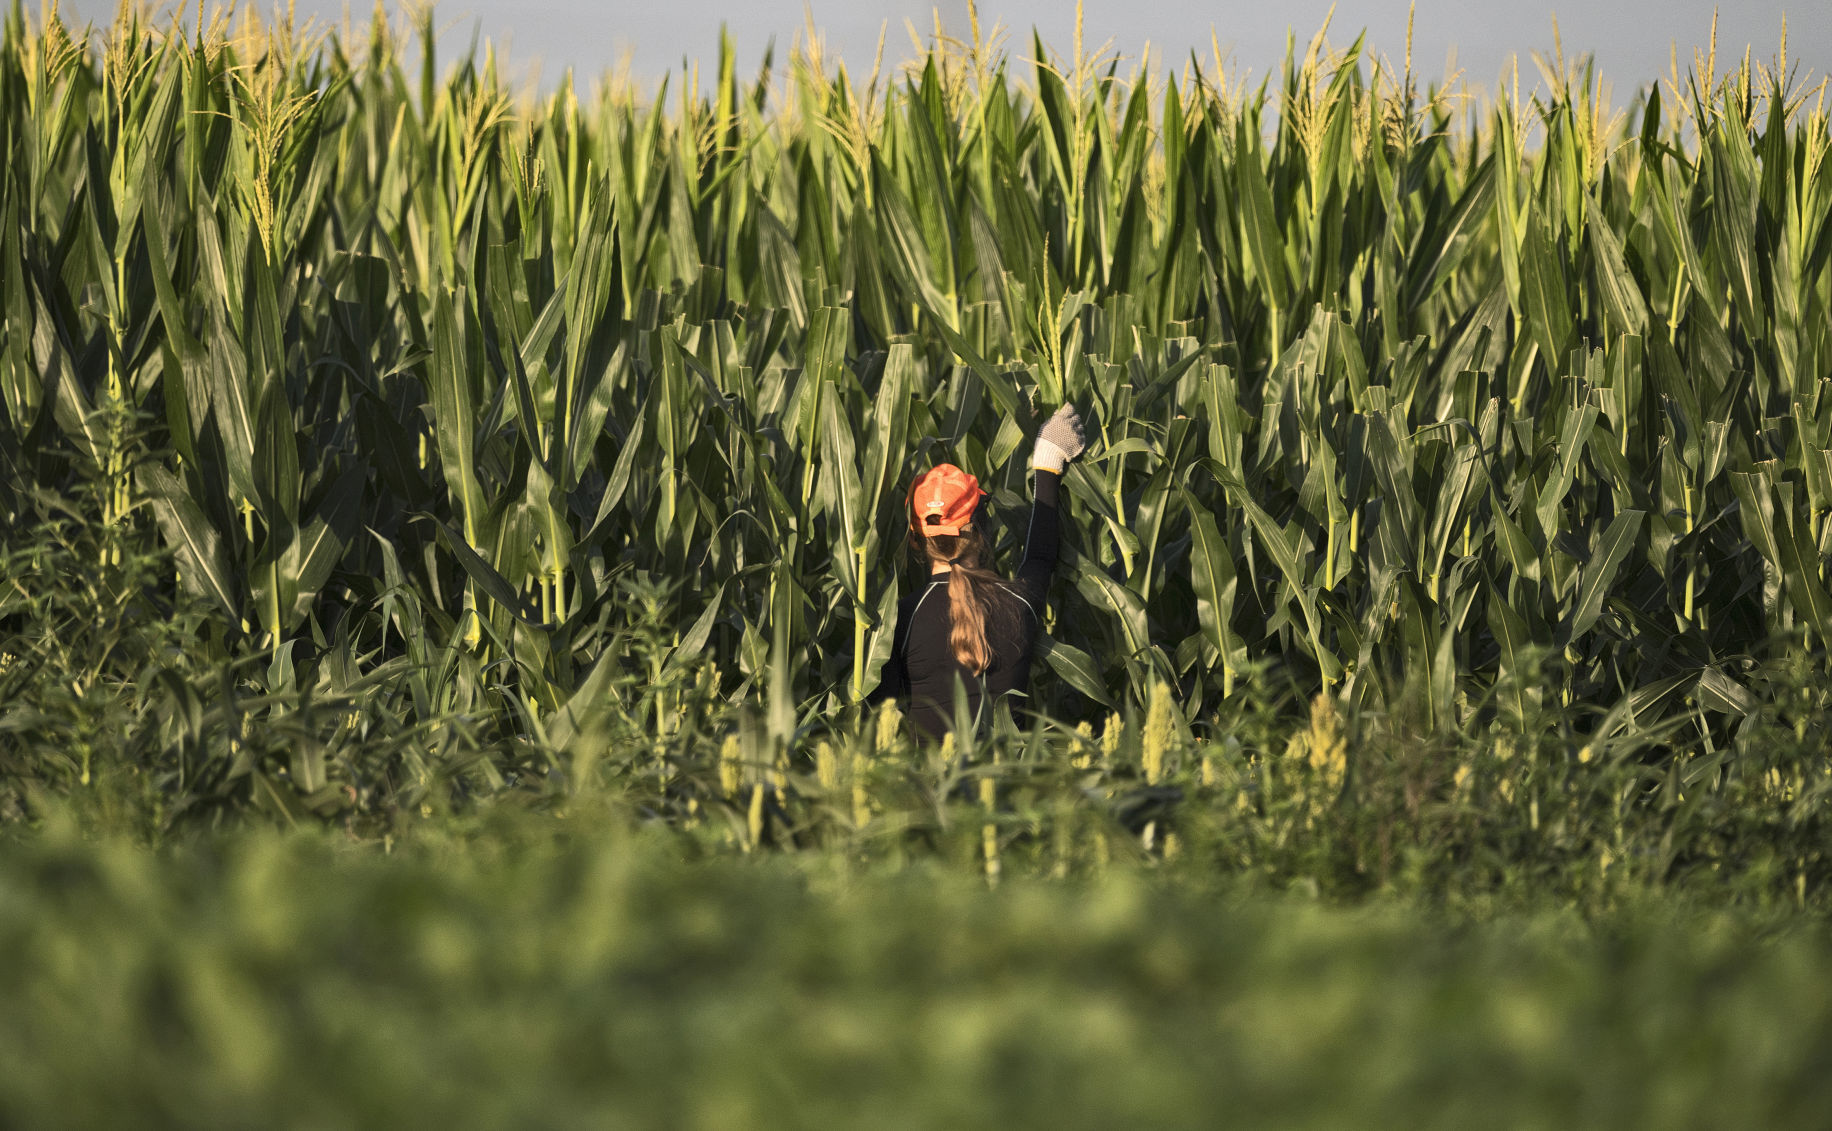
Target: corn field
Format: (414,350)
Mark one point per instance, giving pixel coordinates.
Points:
(484,417)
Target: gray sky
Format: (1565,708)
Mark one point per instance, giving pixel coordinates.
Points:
(1631,40)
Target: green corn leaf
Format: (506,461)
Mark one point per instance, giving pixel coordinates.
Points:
(454,405)
(1612,549)
(322,542)
(1077,669)
(234,411)
(486,577)
(202,565)
(276,464)
(1517,664)
(1119,602)
(1544,300)
(693,642)
(889,423)
(1621,294)
(1260,231)
(1272,537)
(1801,563)
(595,408)
(1574,435)
(1718,692)
(1213,579)
(995,383)
(1444,243)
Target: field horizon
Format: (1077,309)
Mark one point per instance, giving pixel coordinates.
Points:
(1446,42)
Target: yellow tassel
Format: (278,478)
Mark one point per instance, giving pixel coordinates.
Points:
(890,722)
(861,800)
(731,765)
(989,832)
(754,821)
(1326,745)
(1157,734)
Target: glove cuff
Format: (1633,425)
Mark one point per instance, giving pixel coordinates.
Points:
(1049,457)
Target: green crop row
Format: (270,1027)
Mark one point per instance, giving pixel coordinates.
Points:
(1475,414)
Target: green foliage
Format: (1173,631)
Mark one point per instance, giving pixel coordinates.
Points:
(456,532)
(570,971)
(439,444)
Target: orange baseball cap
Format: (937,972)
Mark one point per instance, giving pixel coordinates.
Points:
(943,499)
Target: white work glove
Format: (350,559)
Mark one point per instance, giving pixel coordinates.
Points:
(1058,441)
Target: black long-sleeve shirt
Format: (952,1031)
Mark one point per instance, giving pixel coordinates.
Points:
(922,670)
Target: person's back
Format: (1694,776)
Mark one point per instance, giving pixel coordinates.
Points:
(967,627)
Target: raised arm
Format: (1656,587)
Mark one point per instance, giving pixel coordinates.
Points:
(1058,442)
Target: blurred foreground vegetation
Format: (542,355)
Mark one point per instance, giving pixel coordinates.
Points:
(568,971)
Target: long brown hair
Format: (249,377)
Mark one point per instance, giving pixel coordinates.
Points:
(976,597)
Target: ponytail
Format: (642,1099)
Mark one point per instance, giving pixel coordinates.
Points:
(974,596)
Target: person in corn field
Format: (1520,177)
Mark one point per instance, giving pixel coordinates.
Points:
(967,624)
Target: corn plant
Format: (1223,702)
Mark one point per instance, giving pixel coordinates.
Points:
(1396,397)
